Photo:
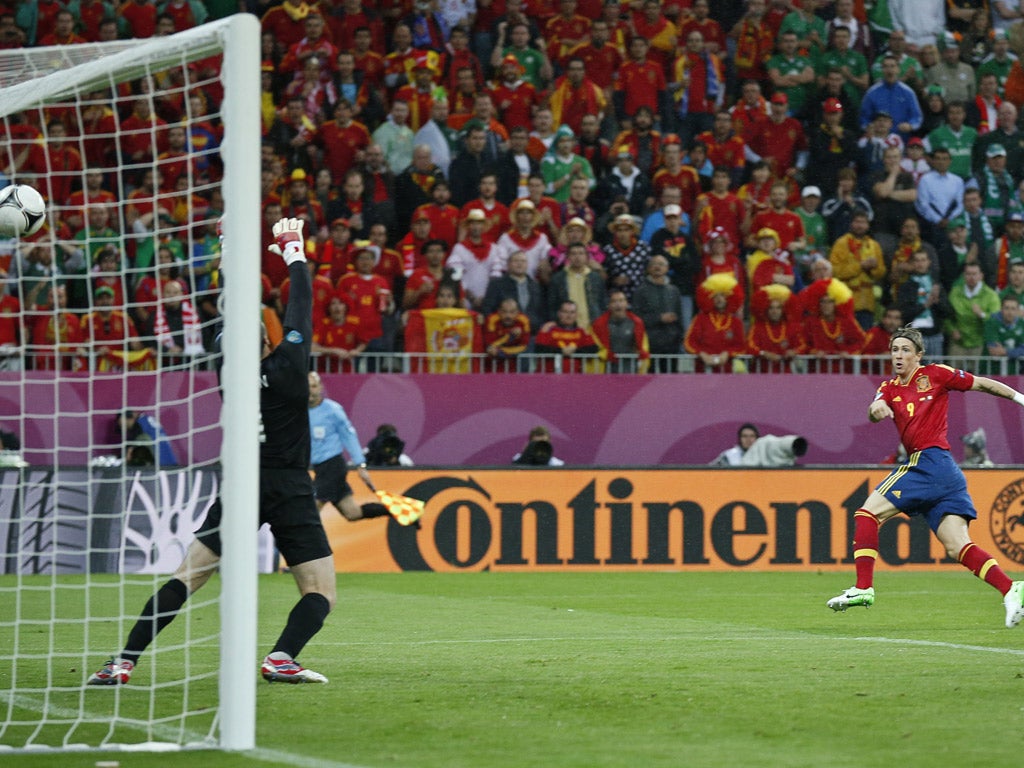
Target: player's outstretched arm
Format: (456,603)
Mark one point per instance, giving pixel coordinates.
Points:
(997,388)
(291,247)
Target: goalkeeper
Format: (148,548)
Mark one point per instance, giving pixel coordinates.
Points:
(332,432)
(286,498)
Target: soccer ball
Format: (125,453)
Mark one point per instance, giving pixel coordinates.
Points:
(22,211)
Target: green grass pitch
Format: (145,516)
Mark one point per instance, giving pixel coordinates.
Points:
(641,670)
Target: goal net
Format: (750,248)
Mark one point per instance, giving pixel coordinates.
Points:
(114,440)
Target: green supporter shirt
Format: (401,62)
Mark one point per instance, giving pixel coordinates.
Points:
(796,22)
(815,233)
(1001,69)
(797,93)
(1011,291)
(531,61)
(971,327)
(908,64)
(1011,337)
(855,62)
(960,146)
(553,168)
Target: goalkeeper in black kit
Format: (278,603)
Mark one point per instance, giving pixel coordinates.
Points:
(286,498)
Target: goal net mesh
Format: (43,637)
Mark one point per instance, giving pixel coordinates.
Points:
(109,400)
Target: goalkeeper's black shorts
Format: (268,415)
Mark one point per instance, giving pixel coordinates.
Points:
(288,506)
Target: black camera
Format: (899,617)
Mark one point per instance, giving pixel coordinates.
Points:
(385,449)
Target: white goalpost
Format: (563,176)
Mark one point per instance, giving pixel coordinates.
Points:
(119,426)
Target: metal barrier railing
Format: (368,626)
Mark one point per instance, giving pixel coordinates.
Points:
(529,363)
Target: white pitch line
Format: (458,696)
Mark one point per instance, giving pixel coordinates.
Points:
(169,732)
(632,639)
(941,644)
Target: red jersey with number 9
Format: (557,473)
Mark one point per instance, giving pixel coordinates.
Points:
(920,407)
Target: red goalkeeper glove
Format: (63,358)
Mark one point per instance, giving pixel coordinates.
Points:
(289,246)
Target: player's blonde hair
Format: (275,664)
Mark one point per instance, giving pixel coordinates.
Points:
(913,335)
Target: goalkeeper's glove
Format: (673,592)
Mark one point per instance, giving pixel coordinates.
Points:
(289,244)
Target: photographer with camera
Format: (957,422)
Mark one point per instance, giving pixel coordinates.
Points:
(756,450)
(386,448)
(538,451)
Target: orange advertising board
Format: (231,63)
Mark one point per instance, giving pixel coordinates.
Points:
(656,519)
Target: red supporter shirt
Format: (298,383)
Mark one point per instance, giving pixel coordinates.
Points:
(641,82)
(141,18)
(729,152)
(779,338)
(841,334)
(344,336)
(10,319)
(709,28)
(601,63)
(497,217)
(372,66)
(367,297)
(685,178)
(286,32)
(726,212)
(714,333)
(444,222)
(786,224)
(778,143)
(921,406)
(418,279)
(515,104)
(340,145)
(91,13)
(182,14)
(323,292)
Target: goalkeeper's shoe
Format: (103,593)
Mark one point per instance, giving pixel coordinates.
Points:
(852,597)
(1014,602)
(288,670)
(114,672)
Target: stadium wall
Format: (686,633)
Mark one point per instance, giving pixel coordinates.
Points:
(483,420)
(513,520)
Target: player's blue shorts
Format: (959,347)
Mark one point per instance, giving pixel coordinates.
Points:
(929,484)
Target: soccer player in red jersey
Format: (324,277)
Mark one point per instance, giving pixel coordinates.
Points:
(931,484)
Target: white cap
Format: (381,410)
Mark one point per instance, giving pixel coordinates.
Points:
(673,210)
(811,191)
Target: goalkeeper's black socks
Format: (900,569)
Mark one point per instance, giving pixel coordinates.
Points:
(374,509)
(159,611)
(304,621)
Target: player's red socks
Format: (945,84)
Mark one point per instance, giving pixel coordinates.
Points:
(984,566)
(865,547)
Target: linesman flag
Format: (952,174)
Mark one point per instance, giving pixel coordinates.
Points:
(405,509)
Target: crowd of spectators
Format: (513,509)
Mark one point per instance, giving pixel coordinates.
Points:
(737,181)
